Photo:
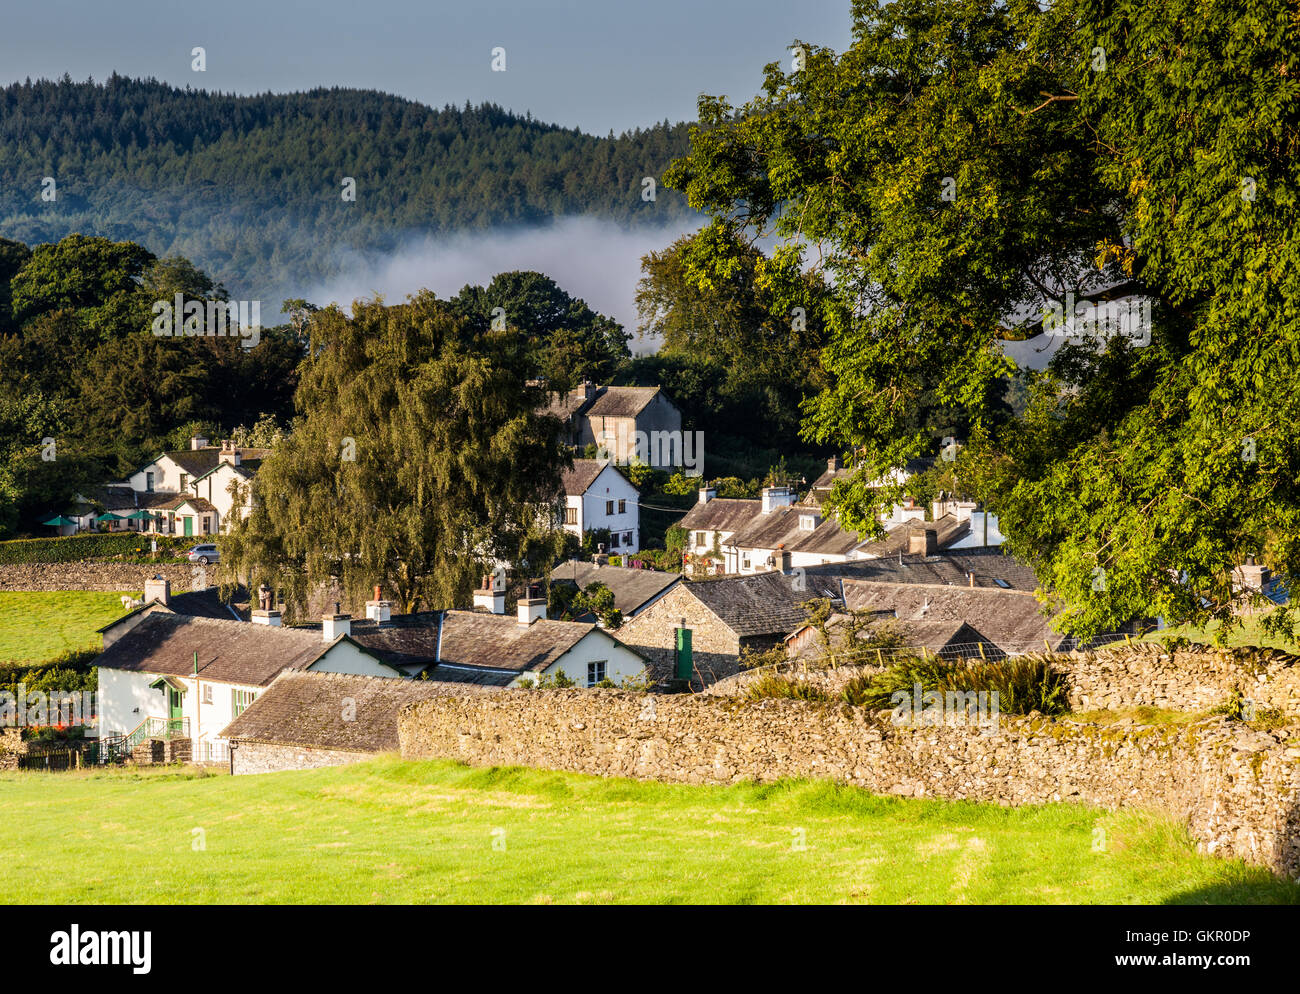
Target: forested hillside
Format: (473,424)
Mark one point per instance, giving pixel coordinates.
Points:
(251,188)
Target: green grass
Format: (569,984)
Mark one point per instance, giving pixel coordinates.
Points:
(1248,633)
(38,625)
(396,831)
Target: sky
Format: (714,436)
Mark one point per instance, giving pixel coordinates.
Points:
(598,65)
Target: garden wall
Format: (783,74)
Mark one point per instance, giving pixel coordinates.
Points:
(1236,788)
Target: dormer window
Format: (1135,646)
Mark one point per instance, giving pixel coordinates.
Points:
(807,522)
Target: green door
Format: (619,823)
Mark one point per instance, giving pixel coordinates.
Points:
(189,526)
(176,711)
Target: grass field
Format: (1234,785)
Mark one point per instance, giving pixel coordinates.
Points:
(1249,632)
(395,831)
(38,625)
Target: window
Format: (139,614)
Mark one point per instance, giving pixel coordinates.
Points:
(622,507)
(744,563)
(595,673)
(240,699)
(613,540)
(207,693)
(570,515)
(148,482)
(807,522)
(699,538)
(609,507)
(185,480)
(627,539)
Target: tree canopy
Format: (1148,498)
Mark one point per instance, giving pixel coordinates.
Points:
(963,167)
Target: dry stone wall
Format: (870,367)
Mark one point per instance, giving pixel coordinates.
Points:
(264,757)
(1118,678)
(1236,788)
(94,576)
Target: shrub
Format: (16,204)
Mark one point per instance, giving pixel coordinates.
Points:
(131,546)
(772,685)
(1023,684)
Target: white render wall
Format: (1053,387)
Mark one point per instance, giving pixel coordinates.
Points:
(121,691)
(621,663)
(609,485)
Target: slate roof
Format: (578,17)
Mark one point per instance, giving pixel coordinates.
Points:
(578,481)
(722,514)
(565,405)
(208,604)
(1010,618)
(948,528)
(631,587)
(952,568)
(306,709)
(199,462)
(499,642)
(229,651)
(621,402)
(780,527)
(762,603)
(200,504)
(494,644)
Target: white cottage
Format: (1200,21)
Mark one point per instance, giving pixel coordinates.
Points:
(597,495)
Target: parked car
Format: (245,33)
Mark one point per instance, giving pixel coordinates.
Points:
(203,554)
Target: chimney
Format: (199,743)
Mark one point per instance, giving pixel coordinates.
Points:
(923,543)
(531,607)
(336,624)
(1251,576)
(832,464)
(198,442)
(157,589)
(707,494)
(491,601)
(774,497)
(379,610)
(229,453)
(265,617)
(971,577)
(783,560)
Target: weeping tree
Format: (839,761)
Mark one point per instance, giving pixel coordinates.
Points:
(967,165)
(417,461)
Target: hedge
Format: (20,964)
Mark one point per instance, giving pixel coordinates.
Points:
(91,548)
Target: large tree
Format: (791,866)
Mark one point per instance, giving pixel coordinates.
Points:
(418,459)
(562,338)
(968,162)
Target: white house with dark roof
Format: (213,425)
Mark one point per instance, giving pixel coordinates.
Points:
(597,495)
(491,648)
(192,491)
(169,676)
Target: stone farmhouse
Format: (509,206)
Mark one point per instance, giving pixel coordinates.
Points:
(724,616)
(597,495)
(634,590)
(617,419)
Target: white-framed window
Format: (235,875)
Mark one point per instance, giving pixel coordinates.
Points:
(148,482)
(807,522)
(595,672)
(240,699)
(570,515)
(207,693)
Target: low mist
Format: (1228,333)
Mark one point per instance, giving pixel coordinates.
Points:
(599,261)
